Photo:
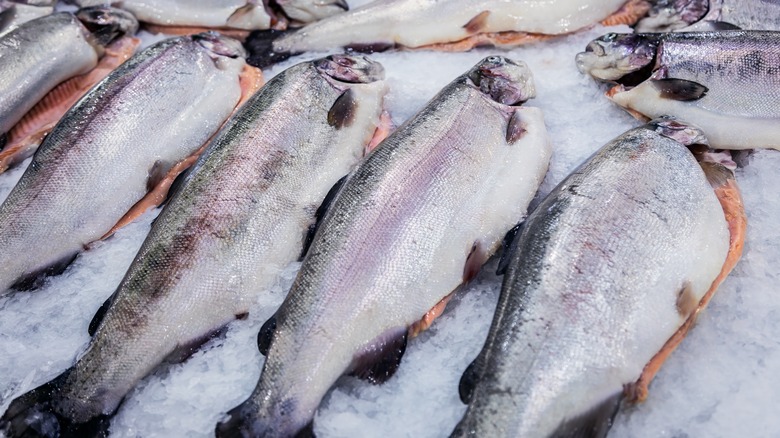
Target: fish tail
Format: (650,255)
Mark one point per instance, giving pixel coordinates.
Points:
(34,415)
(260,45)
(245,421)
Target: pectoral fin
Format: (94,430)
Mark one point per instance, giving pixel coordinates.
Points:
(379,361)
(342,113)
(594,423)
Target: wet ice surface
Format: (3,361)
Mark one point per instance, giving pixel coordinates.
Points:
(720,382)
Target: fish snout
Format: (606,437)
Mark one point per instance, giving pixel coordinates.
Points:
(669,15)
(354,69)
(613,56)
(220,45)
(307,11)
(678,131)
(504,80)
(106,23)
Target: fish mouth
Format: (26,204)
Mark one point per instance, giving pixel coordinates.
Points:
(220,45)
(308,11)
(682,132)
(670,15)
(504,80)
(623,58)
(106,23)
(351,69)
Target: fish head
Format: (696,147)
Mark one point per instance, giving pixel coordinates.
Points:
(227,53)
(306,11)
(220,45)
(678,131)
(615,55)
(106,23)
(504,80)
(351,69)
(669,15)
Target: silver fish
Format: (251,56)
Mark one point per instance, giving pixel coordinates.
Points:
(33,57)
(690,15)
(606,277)
(154,110)
(446,24)
(239,218)
(725,83)
(416,219)
(14,13)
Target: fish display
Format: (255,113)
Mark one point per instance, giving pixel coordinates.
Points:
(383,24)
(725,83)
(605,279)
(112,147)
(417,218)
(182,16)
(240,216)
(13,13)
(31,64)
(691,15)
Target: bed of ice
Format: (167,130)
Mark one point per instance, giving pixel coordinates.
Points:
(721,382)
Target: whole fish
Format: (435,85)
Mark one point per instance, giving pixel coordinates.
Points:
(726,83)
(416,219)
(689,15)
(33,57)
(14,13)
(444,24)
(238,219)
(606,278)
(113,146)
(175,16)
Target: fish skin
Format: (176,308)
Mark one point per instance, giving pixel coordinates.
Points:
(94,164)
(394,243)
(686,16)
(307,11)
(13,14)
(33,61)
(407,23)
(741,107)
(45,52)
(211,14)
(238,219)
(591,293)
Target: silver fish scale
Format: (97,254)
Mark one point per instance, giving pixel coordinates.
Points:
(35,58)
(741,69)
(238,219)
(94,165)
(751,14)
(597,267)
(393,244)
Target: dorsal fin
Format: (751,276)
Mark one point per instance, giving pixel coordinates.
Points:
(35,279)
(321,211)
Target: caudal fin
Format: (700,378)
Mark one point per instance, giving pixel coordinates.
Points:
(33,415)
(260,45)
